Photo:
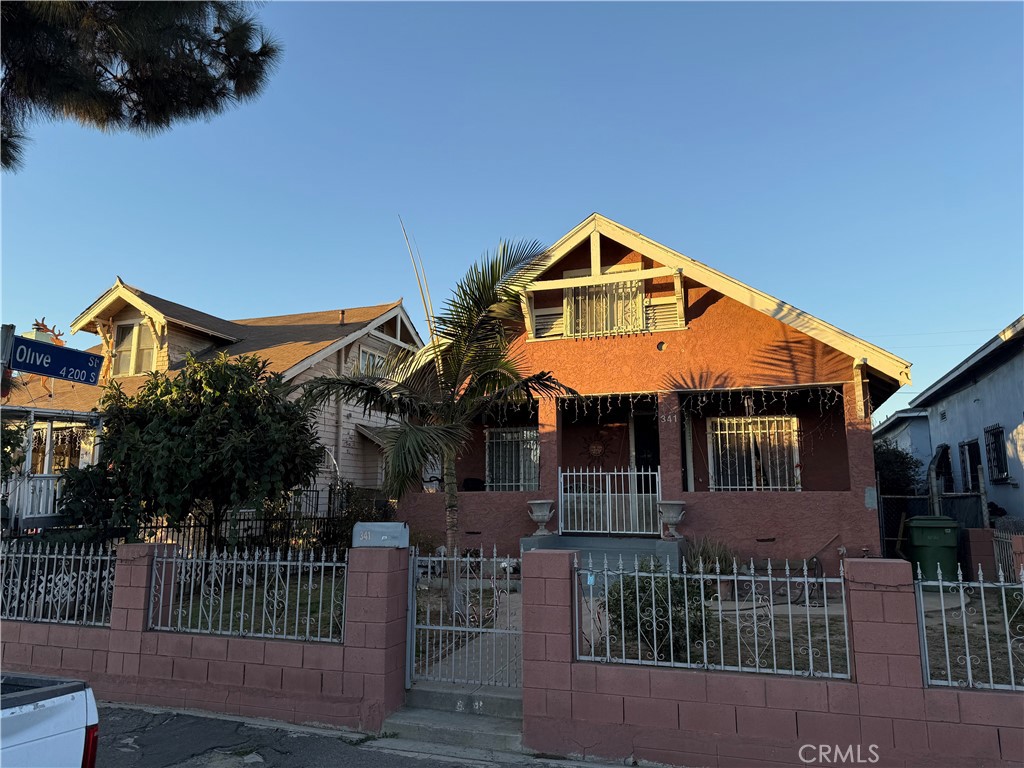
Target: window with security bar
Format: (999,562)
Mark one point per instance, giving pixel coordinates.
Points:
(603,310)
(754,453)
(513,459)
(995,451)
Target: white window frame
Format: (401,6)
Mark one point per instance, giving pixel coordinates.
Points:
(526,473)
(133,360)
(730,437)
(372,356)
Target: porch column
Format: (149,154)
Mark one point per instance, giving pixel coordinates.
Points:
(670,444)
(548,425)
(48,455)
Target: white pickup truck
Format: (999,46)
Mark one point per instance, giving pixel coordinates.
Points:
(47,722)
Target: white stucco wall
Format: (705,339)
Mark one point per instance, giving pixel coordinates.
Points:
(996,397)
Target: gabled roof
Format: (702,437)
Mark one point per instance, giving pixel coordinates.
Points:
(875,357)
(291,343)
(161,310)
(987,355)
(895,418)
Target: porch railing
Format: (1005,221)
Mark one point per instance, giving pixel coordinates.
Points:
(33,499)
(609,501)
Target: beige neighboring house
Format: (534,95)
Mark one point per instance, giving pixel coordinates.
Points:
(140,333)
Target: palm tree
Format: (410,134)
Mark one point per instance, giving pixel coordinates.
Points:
(470,370)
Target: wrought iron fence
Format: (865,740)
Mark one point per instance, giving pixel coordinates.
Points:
(466,619)
(56,583)
(1002,544)
(972,632)
(299,595)
(782,622)
(253,529)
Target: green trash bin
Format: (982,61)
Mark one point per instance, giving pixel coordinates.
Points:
(932,543)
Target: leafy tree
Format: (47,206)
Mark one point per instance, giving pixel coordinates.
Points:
(899,472)
(471,370)
(138,66)
(219,435)
(12,442)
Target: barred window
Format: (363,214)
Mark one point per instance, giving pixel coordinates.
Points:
(758,453)
(602,310)
(995,452)
(513,459)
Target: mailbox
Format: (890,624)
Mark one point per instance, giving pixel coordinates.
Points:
(380,535)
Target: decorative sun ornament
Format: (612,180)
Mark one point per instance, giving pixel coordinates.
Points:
(595,447)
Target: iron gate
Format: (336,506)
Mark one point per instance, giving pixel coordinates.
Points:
(465,619)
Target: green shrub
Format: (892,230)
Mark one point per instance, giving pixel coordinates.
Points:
(643,607)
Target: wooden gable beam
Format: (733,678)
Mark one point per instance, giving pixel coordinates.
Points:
(595,253)
(526,302)
(614,277)
(680,297)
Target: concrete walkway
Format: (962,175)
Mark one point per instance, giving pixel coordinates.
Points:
(490,658)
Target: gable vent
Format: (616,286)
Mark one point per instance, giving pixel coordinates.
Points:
(548,325)
(662,317)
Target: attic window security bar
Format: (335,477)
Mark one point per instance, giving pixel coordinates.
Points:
(604,310)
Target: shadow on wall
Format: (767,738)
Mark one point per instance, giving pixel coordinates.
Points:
(697,380)
(797,359)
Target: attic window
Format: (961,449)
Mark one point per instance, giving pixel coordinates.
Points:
(134,349)
(369,361)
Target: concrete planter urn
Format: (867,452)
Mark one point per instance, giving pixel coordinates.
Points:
(540,513)
(671,513)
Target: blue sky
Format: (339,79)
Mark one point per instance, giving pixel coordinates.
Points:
(860,161)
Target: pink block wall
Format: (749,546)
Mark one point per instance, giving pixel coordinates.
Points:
(1018,554)
(981,551)
(355,684)
(698,718)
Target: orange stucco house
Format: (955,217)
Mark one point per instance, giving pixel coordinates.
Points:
(696,388)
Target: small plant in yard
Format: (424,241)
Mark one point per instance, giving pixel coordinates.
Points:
(707,551)
(656,615)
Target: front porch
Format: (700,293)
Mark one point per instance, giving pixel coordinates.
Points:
(53,441)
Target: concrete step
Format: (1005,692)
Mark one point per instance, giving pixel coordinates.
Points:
(629,548)
(480,700)
(455,729)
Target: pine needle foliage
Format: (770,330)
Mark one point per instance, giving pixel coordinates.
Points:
(135,66)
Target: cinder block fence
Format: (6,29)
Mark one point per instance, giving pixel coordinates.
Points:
(356,683)
(874,689)
(883,716)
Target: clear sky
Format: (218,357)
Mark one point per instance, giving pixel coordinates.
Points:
(860,161)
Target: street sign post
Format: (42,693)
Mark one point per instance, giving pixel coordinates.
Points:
(30,356)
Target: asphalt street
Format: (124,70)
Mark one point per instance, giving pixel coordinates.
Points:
(145,737)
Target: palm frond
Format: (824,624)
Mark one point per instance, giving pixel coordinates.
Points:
(408,448)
